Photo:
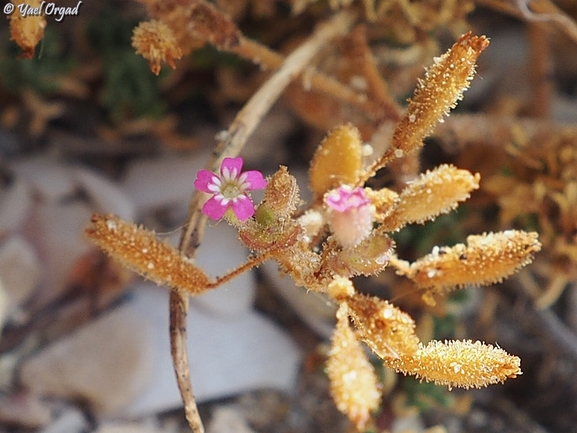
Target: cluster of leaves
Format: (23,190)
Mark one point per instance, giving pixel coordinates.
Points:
(344,233)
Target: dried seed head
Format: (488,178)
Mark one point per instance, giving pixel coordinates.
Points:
(27,31)
(273,225)
(337,160)
(194,23)
(281,195)
(155,41)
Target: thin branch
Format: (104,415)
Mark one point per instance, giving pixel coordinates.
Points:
(540,71)
(268,58)
(239,131)
(462,130)
(543,11)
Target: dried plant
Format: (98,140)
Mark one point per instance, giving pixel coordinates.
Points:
(27,32)
(344,232)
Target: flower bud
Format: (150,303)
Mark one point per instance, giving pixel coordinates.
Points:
(350,215)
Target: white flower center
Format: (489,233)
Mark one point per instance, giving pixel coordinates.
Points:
(231,189)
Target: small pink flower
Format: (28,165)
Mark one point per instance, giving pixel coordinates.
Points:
(350,215)
(229,190)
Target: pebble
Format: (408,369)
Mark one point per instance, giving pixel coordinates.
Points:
(25,410)
(107,363)
(15,206)
(315,309)
(71,420)
(220,252)
(61,242)
(20,270)
(118,427)
(106,196)
(162,181)
(50,178)
(4,305)
(226,419)
(228,355)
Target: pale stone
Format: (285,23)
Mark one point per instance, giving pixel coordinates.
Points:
(226,419)
(61,242)
(20,270)
(71,420)
(25,410)
(15,205)
(107,363)
(162,181)
(106,195)
(274,129)
(126,428)
(220,252)
(49,177)
(227,356)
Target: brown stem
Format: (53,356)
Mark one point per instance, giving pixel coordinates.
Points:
(531,11)
(540,71)
(268,58)
(247,266)
(238,133)
(178,350)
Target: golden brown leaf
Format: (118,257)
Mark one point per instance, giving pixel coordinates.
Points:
(439,91)
(337,160)
(354,384)
(388,331)
(464,364)
(435,95)
(486,259)
(435,192)
(141,251)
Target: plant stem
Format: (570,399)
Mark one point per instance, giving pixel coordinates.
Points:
(238,133)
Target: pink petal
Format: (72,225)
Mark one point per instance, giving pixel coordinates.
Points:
(232,164)
(204,178)
(243,207)
(214,209)
(254,179)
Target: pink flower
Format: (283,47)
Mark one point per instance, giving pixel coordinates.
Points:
(350,215)
(229,190)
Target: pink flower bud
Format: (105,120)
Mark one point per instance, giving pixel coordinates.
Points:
(349,215)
